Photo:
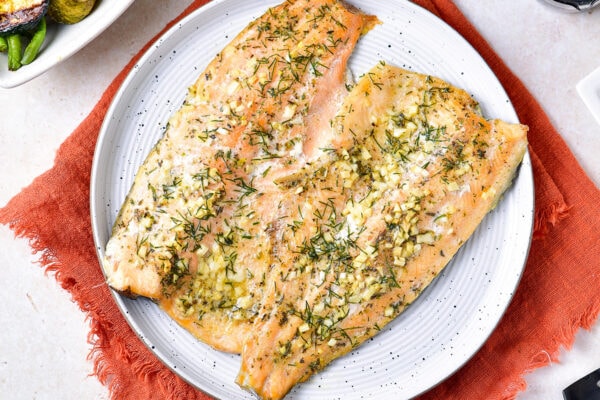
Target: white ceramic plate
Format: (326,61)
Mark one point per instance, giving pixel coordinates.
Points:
(453,317)
(62,41)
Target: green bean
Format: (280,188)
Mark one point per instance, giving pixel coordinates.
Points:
(32,49)
(3,44)
(14,51)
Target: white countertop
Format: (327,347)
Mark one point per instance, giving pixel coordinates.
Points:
(43,352)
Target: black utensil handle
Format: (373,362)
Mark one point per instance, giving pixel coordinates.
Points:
(586,388)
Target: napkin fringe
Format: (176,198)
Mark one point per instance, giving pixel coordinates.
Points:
(120,368)
(47,260)
(546,218)
(563,341)
(111,357)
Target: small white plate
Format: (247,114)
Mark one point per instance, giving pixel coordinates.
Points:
(451,319)
(62,41)
(589,90)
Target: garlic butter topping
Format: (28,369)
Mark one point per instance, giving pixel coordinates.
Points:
(289,215)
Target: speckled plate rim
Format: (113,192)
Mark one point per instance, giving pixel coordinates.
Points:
(426,370)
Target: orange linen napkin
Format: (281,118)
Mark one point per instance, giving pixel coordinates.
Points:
(557,294)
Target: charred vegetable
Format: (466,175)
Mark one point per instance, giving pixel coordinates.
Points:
(19,16)
(70,11)
(22,19)
(13,46)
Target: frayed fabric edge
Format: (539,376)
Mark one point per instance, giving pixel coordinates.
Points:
(545,219)
(563,341)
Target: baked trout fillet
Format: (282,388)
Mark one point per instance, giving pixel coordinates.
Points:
(287,214)
(196,231)
(376,222)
